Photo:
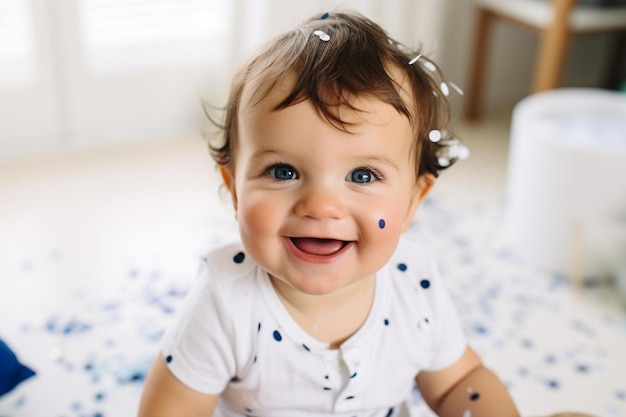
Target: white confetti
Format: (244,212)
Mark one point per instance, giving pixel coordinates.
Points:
(456,87)
(444,89)
(414,60)
(322,35)
(434,135)
(430,66)
(55,354)
(463,152)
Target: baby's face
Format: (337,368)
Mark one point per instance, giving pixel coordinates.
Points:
(319,208)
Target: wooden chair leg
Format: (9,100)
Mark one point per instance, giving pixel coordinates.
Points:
(479,65)
(552,50)
(616,68)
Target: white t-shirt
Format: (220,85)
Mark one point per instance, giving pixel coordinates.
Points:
(235,337)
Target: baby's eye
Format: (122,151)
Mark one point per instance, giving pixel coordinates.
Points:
(363,176)
(282,172)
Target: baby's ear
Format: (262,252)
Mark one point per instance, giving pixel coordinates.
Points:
(424,184)
(229,182)
(421,189)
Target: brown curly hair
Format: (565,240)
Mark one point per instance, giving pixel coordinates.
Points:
(356,61)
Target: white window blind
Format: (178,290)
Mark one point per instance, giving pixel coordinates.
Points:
(86,73)
(17,55)
(137,35)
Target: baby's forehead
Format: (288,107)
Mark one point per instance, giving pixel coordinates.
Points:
(269,93)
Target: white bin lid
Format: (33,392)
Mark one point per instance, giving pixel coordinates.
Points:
(588,119)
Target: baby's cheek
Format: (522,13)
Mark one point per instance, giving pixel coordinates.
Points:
(386,221)
(257,214)
(258,222)
(384,227)
(380,236)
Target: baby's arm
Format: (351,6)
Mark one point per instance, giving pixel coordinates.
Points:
(165,396)
(466,389)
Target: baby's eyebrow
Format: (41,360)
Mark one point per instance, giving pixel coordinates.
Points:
(378,159)
(264,153)
(375,159)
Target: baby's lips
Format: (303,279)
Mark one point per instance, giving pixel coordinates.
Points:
(319,247)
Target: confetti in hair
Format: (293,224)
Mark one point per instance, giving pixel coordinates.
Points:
(444,89)
(450,148)
(322,35)
(414,60)
(434,135)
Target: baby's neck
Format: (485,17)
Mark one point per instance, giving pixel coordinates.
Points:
(331,318)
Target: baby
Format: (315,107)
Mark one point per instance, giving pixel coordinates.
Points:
(334,135)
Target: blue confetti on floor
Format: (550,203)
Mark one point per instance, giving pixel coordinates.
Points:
(501,302)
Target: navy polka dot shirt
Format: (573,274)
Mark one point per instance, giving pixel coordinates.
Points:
(234,336)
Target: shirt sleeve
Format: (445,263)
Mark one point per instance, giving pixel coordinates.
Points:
(197,347)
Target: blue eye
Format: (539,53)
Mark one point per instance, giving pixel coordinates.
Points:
(362,176)
(283,172)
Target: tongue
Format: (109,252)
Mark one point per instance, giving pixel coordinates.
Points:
(321,247)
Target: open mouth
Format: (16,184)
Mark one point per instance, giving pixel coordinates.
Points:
(319,247)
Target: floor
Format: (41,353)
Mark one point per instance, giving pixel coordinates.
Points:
(97,249)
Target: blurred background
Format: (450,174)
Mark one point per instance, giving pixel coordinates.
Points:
(108,196)
(90,73)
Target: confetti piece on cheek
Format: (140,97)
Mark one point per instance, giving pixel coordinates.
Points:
(381,223)
(467,413)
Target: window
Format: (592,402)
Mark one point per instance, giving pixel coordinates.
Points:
(137,35)
(17,55)
(82,73)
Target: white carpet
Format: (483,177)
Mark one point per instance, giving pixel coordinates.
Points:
(94,261)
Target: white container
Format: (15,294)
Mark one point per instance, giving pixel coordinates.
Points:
(566,194)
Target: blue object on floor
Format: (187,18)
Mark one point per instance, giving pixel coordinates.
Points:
(12,372)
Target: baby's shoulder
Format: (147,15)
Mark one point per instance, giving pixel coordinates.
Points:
(414,254)
(226,281)
(227,266)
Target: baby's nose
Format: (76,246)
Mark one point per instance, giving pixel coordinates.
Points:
(320,202)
